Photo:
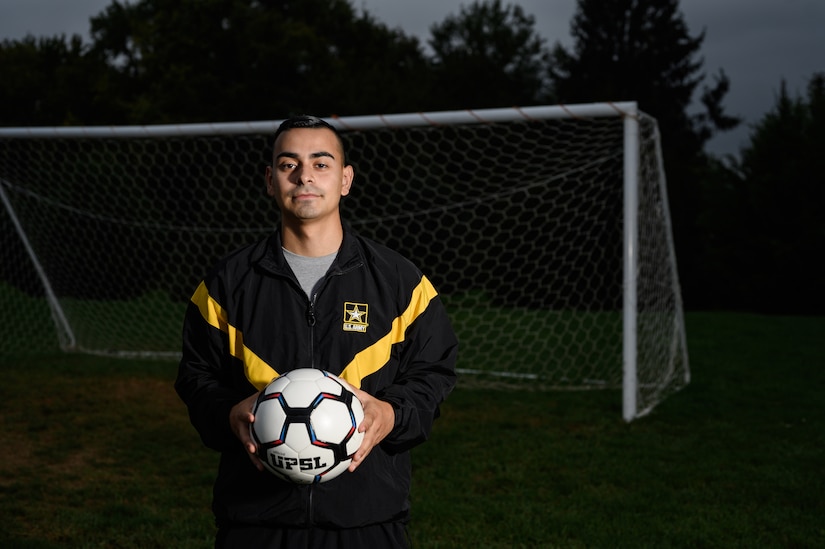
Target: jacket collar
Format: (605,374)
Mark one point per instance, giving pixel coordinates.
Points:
(350,255)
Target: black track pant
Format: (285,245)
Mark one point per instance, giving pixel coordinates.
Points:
(378,536)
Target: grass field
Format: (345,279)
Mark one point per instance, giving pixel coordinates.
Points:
(98,452)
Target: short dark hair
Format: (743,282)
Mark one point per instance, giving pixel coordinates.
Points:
(312,122)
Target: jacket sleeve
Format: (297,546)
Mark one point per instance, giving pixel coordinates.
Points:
(204,380)
(426,376)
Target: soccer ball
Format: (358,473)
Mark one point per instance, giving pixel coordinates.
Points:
(306,426)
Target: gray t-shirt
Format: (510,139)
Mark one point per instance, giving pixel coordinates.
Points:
(309,270)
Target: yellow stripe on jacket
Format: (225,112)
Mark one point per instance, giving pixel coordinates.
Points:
(258,372)
(374,357)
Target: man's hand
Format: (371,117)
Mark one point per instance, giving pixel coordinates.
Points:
(240,418)
(379,419)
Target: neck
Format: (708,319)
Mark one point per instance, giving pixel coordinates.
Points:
(312,240)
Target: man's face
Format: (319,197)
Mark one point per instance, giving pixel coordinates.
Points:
(308,177)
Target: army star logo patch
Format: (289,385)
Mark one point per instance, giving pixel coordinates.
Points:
(355,317)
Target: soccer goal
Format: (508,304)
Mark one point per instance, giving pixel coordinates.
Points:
(545,229)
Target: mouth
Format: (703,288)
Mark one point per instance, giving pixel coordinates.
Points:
(305,192)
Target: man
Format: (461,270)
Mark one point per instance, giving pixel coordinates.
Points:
(282,304)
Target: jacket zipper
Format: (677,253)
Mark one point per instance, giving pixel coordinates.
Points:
(310,315)
(311,321)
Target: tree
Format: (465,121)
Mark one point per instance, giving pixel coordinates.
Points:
(51,81)
(489,55)
(219,60)
(641,50)
(779,229)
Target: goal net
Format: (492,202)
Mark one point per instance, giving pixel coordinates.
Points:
(545,229)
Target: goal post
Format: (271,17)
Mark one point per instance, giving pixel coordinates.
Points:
(545,229)
(630,232)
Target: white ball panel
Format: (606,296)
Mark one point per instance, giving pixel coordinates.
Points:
(277,385)
(331,421)
(336,471)
(301,393)
(269,417)
(297,437)
(330,385)
(354,443)
(305,374)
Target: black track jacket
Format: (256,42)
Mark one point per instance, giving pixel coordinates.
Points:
(249,321)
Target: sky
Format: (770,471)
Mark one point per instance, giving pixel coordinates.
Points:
(758,43)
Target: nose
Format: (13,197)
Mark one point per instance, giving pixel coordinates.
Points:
(304,176)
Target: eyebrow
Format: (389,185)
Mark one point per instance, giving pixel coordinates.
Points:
(319,154)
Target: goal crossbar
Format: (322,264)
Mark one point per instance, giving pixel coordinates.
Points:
(402,120)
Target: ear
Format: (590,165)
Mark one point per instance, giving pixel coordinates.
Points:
(349,175)
(270,184)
